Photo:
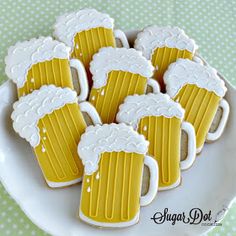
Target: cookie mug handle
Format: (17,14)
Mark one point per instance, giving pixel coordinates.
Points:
(119,34)
(82,77)
(154,85)
(212,136)
(153,184)
(189,129)
(91,111)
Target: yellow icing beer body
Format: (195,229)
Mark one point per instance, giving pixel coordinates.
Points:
(200,108)
(113,156)
(163,57)
(120,84)
(88,42)
(55,71)
(164,135)
(112,193)
(60,133)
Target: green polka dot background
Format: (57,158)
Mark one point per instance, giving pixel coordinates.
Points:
(211,23)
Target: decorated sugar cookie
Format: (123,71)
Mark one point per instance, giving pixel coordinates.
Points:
(159,119)
(86,31)
(164,45)
(113,156)
(43,61)
(117,73)
(52,122)
(200,92)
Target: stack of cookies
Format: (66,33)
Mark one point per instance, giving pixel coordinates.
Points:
(97,113)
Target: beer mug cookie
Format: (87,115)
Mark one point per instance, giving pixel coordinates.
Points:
(114,156)
(43,61)
(86,31)
(51,120)
(200,92)
(160,120)
(164,45)
(117,73)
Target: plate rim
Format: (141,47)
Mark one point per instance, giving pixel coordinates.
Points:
(47,230)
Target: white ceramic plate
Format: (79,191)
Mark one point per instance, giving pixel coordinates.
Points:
(208,185)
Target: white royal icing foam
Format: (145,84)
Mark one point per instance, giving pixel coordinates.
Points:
(185,71)
(108,138)
(32,107)
(154,37)
(138,106)
(69,24)
(23,55)
(110,59)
